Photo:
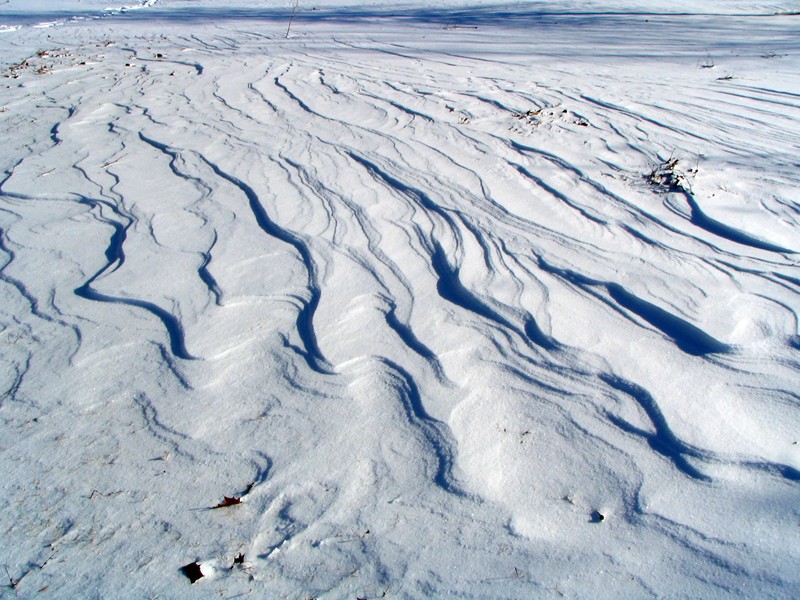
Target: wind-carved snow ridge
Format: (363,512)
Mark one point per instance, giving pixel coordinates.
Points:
(686,336)
(662,440)
(435,432)
(713,226)
(481,302)
(116,257)
(305,319)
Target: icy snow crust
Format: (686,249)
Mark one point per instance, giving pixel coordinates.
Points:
(458,300)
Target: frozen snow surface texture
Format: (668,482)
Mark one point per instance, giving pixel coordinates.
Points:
(393,300)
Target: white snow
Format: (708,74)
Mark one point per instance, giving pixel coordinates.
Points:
(459,299)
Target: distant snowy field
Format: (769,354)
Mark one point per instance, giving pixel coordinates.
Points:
(402,300)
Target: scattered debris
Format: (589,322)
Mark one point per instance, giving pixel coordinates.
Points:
(15,70)
(549,116)
(667,175)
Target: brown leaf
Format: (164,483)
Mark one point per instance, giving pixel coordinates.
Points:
(229,501)
(192,571)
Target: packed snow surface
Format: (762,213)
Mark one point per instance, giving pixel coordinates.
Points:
(443,299)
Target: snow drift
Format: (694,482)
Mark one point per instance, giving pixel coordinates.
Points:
(444,300)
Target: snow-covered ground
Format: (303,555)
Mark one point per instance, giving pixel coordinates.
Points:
(448,299)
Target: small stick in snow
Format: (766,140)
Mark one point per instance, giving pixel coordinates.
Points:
(12,584)
(294,12)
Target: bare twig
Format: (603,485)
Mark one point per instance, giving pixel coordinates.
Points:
(11,581)
(709,62)
(13,584)
(294,12)
(104,495)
